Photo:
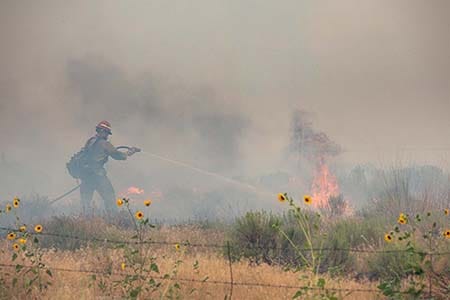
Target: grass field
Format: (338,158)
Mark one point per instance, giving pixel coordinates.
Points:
(211,264)
(397,247)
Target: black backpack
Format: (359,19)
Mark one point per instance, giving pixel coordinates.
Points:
(80,160)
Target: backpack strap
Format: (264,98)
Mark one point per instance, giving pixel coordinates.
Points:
(91,142)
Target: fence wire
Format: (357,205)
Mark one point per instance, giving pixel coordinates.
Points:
(226,246)
(217,246)
(208,281)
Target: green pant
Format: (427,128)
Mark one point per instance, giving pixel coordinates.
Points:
(93,181)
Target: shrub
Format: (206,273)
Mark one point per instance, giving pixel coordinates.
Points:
(253,237)
(394,264)
(349,234)
(287,255)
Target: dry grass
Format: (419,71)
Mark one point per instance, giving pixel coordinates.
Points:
(74,285)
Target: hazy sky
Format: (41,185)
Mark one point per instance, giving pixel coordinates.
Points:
(214,82)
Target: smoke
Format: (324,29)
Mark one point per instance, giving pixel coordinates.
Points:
(214,84)
(146,110)
(309,143)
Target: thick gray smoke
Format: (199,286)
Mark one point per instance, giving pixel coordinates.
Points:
(214,84)
(155,117)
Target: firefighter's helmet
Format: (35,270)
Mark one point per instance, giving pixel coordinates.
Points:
(104,125)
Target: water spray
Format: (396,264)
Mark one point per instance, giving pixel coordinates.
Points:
(209,173)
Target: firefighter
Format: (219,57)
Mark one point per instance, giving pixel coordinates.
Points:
(93,177)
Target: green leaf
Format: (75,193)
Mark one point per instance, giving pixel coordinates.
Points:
(35,240)
(14,281)
(14,256)
(196,265)
(321,283)
(386,288)
(299,293)
(154,268)
(18,268)
(177,286)
(134,293)
(49,272)
(119,246)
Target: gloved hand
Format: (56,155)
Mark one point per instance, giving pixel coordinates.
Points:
(133,150)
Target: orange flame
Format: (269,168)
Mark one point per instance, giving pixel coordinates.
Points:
(132,190)
(324,186)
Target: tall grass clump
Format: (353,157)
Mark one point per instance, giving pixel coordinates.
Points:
(75,232)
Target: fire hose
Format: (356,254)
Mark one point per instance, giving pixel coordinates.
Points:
(185,165)
(134,149)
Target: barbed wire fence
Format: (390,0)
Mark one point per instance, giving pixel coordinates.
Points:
(227,248)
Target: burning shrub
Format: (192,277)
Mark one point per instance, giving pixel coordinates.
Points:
(336,206)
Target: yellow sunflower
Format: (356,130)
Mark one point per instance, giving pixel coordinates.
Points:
(15,247)
(147,202)
(123,266)
(22,241)
(446,211)
(177,247)
(447,234)
(38,228)
(281,197)
(139,215)
(388,237)
(23,228)
(119,202)
(16,202)
(402,221)
(307,199)
(11,236)
(8,207)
